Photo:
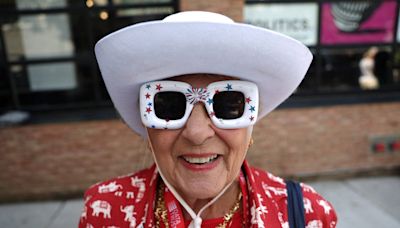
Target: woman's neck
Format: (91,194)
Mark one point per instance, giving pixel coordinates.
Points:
(219,208)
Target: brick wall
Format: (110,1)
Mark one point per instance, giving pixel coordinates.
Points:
(61,160)
(230,8)
(332,140)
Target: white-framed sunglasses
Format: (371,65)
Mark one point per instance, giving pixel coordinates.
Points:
(168,104)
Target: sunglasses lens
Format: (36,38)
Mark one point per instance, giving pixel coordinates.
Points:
(169,105)
(228,105)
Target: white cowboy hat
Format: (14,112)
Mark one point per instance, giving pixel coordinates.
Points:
(198,42)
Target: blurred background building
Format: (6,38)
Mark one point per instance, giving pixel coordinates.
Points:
(60,133)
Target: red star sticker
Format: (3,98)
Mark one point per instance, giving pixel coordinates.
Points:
(216,91)
(148,109)
(147,96)
(248,100)
(251,118)
(158,87)
(212,114)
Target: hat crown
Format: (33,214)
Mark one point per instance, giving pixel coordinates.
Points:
(198,16)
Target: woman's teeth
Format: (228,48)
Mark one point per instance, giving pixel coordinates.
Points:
(200,160)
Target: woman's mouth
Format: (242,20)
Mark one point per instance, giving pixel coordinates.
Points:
(202,162)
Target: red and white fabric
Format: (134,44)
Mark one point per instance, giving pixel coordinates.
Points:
(128,201)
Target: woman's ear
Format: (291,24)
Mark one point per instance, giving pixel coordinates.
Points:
(250,143)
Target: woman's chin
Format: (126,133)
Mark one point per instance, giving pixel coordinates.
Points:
(201,188)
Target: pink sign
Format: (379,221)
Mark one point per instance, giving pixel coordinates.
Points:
(350,22)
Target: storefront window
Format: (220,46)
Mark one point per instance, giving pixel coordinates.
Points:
(40,4)
(47,54)
(139,1)
(366,68)
(340,70)
(51,76)
(145,11)
(38,36)
(308,85)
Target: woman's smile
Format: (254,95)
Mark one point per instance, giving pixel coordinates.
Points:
(200,162)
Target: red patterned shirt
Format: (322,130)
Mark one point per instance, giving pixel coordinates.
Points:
(128,201)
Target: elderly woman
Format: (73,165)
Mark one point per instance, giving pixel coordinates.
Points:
(193,85)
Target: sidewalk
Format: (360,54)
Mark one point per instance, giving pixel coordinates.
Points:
(359,202)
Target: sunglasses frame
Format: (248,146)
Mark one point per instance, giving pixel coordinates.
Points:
(195,95)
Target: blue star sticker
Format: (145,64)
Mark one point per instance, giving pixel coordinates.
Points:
(228,87)
(148,86)
(149,104)
(210,101)
(252,108)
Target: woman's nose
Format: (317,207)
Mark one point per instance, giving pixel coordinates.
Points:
(198,127)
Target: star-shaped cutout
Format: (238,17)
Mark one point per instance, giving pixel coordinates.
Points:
(148,110)
(158,87)
(228,87)
(147,96)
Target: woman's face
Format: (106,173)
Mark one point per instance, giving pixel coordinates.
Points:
(199,160)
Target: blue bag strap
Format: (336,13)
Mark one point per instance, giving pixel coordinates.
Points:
(295,205)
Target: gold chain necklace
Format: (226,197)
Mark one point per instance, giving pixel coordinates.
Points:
(160,213)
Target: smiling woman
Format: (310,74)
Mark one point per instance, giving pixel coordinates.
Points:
(199,159)
(198,104)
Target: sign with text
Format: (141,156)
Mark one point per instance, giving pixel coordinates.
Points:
(349,22)
(297,20)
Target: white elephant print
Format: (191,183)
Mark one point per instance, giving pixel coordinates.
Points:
(139,183)
(314,224)
(103,207)
(129,215)
(307,206)
(111,187)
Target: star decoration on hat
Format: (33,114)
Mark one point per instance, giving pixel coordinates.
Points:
(147,96)
(148,110)
(210,101)
(251,118)
(252,108)
(228,87)
(158,87)
(148,86)
(149,104)
(212,114)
